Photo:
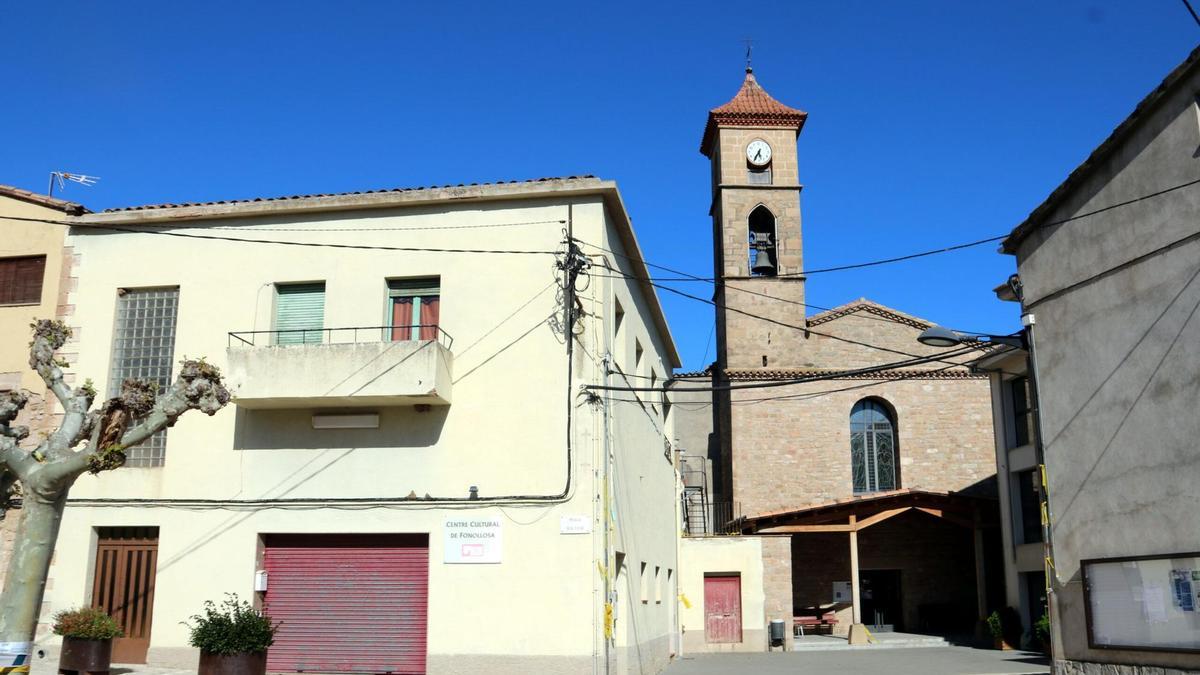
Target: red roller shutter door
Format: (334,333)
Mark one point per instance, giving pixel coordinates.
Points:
(348,603)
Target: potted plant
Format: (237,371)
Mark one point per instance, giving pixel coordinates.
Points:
(996,628)
(233,638)
(87,635)
(1041,632)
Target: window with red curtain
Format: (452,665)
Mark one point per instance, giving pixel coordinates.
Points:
(428,314)
(415,308)
(402,310)
(21,280)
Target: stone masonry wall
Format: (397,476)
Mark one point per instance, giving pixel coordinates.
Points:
(792,453)
(935,559)
(731,155)
(777,581)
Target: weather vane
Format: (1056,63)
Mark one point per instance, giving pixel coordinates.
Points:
(749,53)
(61,177)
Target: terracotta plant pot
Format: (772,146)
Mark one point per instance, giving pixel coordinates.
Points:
(233,664)
(85,656)
(1000,643)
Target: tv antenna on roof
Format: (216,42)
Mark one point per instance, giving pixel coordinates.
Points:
(62,177)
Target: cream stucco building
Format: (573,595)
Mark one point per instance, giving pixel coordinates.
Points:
(410,476)
(34,277)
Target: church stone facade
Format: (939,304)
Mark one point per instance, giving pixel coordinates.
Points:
(908,450)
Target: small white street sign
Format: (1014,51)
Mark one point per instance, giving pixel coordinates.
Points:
(575,525)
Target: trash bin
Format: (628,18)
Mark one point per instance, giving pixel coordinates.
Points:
(777,634)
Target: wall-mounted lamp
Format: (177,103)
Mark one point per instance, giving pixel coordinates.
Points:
(940,336)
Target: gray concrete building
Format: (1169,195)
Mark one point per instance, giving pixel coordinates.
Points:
(1110,268)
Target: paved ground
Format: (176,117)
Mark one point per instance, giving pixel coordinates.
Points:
(49,666)
(916,661)
(919,661)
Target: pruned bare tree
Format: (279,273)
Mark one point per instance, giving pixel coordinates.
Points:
(87,441)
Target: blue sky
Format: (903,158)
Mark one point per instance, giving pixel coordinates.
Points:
(930,123)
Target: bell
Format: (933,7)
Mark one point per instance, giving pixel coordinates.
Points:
(762,264)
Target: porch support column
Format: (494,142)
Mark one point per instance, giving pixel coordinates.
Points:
(854,599)
(980,572)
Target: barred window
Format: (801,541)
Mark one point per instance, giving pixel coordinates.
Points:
(144,348)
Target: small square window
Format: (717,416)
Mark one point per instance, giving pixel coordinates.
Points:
(21,280)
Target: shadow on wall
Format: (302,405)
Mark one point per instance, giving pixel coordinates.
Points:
(986,487)
(400,427)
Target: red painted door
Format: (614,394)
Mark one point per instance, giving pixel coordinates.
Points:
(347,603)
(723,608)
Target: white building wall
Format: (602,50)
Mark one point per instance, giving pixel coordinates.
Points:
(542,608)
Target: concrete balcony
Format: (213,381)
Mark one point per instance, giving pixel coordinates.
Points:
(333,369)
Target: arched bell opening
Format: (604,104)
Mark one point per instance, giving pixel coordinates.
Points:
(762,243)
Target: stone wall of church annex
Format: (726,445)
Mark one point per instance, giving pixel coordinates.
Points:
(935,559)
(792,453)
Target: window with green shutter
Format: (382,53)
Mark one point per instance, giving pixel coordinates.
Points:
(299,313)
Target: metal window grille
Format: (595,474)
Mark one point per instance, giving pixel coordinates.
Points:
(872,448)
(144,348)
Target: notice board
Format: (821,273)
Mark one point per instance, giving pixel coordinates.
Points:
(1144,603)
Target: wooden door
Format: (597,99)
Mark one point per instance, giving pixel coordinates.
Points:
(126,563)
(723,608)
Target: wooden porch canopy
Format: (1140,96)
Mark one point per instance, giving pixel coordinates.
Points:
(858,513)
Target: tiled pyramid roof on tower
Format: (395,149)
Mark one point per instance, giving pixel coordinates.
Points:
(752,106)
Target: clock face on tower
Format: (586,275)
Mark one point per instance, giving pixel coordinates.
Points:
(758,153)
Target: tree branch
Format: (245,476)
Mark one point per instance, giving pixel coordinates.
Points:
(16,458)
(198,387)
(48,337)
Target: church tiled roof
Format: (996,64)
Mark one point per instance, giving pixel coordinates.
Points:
(752,106)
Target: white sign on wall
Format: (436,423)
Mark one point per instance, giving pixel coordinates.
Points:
(575,525)
(841,591)
(472,540)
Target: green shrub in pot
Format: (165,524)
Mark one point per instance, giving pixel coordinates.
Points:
(86,623)
(232,627)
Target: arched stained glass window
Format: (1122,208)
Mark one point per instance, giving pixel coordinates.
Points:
(872,447)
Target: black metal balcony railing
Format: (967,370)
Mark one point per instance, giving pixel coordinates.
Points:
(702,517)
(349,335)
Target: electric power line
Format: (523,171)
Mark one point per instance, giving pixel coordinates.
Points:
(382,229)
(1192,12)
(313,244)
(696,405)
(711,280)
(784,382)
(783,324)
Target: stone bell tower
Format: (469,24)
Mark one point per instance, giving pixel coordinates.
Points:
(751,142)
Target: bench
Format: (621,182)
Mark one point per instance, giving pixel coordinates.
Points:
(816,619)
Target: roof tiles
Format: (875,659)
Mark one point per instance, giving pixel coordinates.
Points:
(151,207)
(42,200)
(751,106)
